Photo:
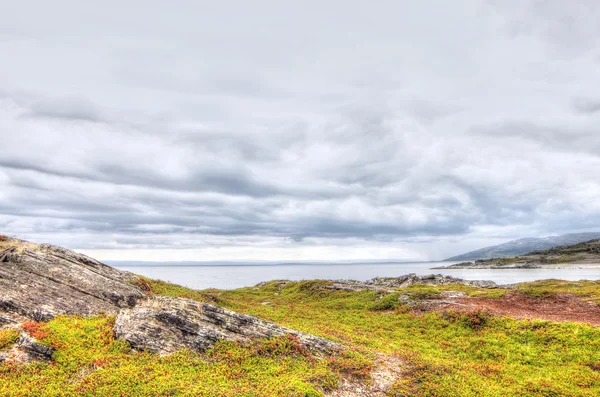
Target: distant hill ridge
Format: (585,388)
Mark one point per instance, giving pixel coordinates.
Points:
(525,246)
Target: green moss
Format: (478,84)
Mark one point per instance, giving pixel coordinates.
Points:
(444,353)
(8,337)
(420,292)
(164,288)
(386,302)
(89,361)
(589,290)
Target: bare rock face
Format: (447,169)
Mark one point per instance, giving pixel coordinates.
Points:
(431,279)
(389,284)
(39,282)
(164,325)
(26,349)
(34,349)
(42,282)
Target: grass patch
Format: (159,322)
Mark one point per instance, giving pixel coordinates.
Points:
(89,361)
(589,290)
(8,337)
(20,245)
(164,288)
(448,354)
(386,302)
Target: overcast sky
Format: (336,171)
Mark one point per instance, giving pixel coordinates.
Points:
(296,130)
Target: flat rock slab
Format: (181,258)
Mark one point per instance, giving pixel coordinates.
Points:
(39,284)
(165,324)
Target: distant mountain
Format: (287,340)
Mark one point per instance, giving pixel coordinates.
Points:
(525,245)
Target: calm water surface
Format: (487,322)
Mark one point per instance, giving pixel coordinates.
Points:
(201,276)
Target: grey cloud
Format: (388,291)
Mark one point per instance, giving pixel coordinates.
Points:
(306,124)
(574,139)
(569,28)
(216,181)
(75,109)
(586,105)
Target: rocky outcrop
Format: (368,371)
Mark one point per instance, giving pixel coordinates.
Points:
(442,300)
(389,284)
(164,324)
(46,281)
(26,349)
(491,264)
(39,282)
(33,348)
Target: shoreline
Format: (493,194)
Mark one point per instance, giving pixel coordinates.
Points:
(529,266)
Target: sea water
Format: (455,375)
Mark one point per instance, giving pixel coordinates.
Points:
(228,276)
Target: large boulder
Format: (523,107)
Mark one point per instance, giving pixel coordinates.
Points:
(39,282)
(165,324)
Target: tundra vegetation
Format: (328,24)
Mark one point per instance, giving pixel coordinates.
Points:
(443,352)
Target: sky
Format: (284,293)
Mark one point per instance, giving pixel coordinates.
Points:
(297,130)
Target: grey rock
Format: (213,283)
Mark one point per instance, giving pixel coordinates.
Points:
(355,286)
(34,349)
(431,279)
(441,301)
(165,324)
(38,284)
(452,294)
(25,350)
(389,284)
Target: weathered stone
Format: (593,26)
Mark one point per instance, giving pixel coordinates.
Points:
(452,294)
(33,348)
(389,284)
(38,284)
(431,279)
(164,325)
(355,286)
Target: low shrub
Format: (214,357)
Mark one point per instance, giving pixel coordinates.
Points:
(474,320)
(8,337)
(386,302)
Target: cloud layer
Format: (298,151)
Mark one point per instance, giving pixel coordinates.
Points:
(312,130)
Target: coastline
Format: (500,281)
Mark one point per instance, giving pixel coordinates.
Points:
(557,266)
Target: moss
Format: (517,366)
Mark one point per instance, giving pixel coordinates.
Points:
(8,337)
(19,245)
(386,302)
(444,353)
(164,288)
(89,361)
(588,290)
